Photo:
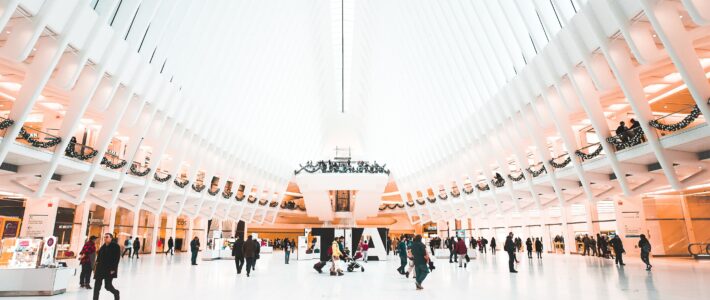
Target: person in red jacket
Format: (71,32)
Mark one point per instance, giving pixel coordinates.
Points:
(461,251)
(364,246)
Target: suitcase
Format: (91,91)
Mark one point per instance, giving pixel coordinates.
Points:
(319,266)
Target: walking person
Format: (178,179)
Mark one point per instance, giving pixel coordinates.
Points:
(194,249)
(127,246)
(87,260)
(136,247)
(257,254)
(249,250)
(421,261)
(336,254)
(529,247)
(645,247)
(493,245)
(107,267)
(509,247)
(461,251)
(171,244)
(364,246)
(450,244)
(287,250)
(618,246)
(402,251)
(538,248)
(388,245)
(238,253)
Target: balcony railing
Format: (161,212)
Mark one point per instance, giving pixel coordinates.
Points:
(590,151)
(38,139)
(680,120)
(80,152)
(112,161)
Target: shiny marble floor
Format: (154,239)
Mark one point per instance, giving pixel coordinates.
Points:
(555,277)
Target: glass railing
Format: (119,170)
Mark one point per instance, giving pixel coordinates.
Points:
(38,139)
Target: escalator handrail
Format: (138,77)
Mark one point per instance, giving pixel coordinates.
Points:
(706,246)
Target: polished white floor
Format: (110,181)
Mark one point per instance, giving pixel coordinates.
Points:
(555,277)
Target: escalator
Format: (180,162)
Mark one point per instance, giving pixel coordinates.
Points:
(699,250)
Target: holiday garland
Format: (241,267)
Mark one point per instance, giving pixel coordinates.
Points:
(694,114)
(630,141)
(536,173)
(431,200)
(391,206)
(274,204)
(181,184)
(159,179)
(517,178)
(455,195)
(135,171)
(410,204)
(53,141)
(498,183)
(342,167)
(239,198)
(110,165)
(6,123)
(444,197)
(227,195)
(421,202)
(213,193)
(70,152)
(468,192)
(561,165)
(263,202)
(251,199)
(591,155)
(198,188)
(483,188)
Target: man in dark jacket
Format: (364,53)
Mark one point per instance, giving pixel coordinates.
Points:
(452,253)
(402,250)
(238,253)
(618,249)
(509,247)
(194,249)
(136,247)
(107,267)
(171,244)
(421,260)
(257,248)
(249,251)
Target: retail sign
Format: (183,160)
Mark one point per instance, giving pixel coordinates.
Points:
(10,229)
(38,226)
(632,224)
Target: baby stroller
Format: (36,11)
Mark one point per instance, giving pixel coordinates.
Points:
(353,264)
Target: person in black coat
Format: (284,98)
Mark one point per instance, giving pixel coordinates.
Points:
(238,253)
(194,249)
(493,245)
(529,247)
(107,267)
(618,250)
(509,247)
(249,251)
(136,247)
(538,248)
(257,246)
(171,244)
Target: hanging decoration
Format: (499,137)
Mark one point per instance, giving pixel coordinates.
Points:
(213,193)
(110,165)
(633,138)
(483,187)
(431,200)
(342,167)
(239,198)
(520,177)
(227,195)
(198,188)
(6,123)
(70,152)
(251,199)
(468,192)
(51,142)
(455,195)
(444,197)
(694,114)
(410,204)
(159,179)
(391,206)
(263,202)
(536,173)
(561,165)
(498,182)
(134,171)
(274,204)
(181,183)
(421,201)
(591,155)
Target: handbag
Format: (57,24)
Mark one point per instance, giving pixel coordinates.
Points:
(468,259)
